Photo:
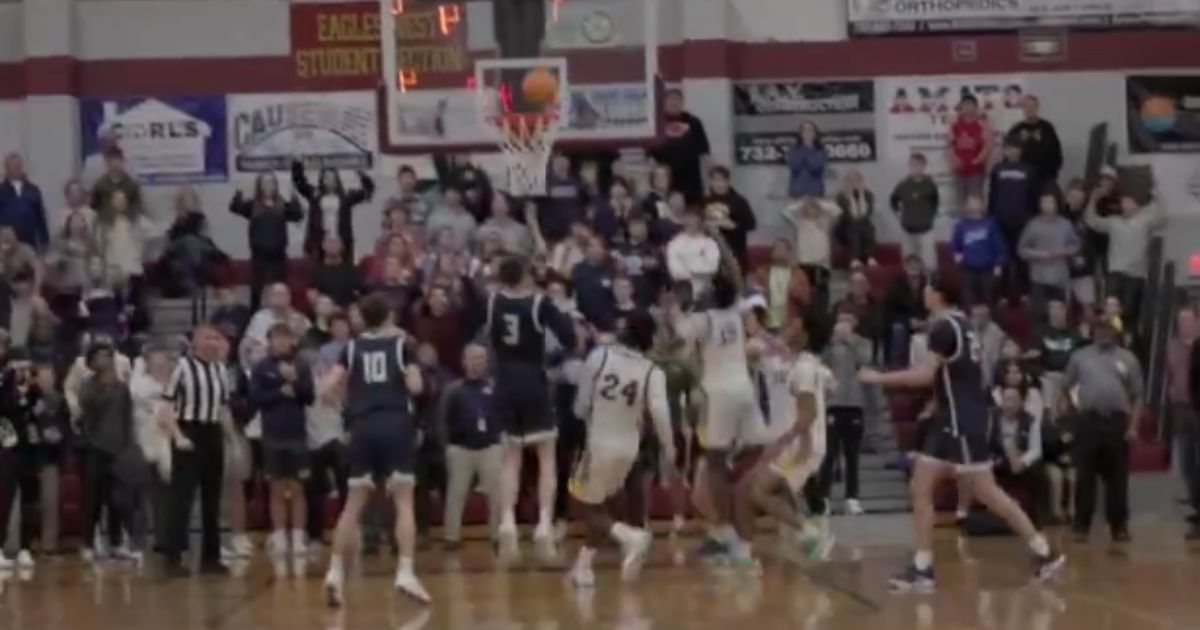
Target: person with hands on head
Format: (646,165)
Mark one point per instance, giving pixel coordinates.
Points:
(955,442)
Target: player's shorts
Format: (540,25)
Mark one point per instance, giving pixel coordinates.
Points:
(967,451)
(732,419)
(796,467)
(524,407)
(382,448)
(600,474)
(285,460)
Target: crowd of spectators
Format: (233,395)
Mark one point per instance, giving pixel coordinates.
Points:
(82,381)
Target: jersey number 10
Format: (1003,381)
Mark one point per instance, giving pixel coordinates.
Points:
(375,368)
(611,388)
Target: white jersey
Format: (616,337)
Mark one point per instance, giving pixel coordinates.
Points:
(617,387)
(722,338)
(804,375)
(781,379)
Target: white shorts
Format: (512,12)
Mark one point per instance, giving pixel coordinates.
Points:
(732,419)
(797,468)
(600,475)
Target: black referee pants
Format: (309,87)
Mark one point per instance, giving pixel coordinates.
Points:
(1101,452)
(201,468)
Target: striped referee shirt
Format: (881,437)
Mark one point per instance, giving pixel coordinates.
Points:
(199,389)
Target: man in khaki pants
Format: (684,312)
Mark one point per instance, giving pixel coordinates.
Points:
(472,437)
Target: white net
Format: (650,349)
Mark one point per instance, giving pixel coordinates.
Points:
(526,141)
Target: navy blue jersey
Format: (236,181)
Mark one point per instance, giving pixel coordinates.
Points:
(516,329)
(375,381)
(959,382)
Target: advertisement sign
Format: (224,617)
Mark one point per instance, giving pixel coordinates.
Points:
(885,17)
(329,129)
(165,140)
(1163,113)
(768,115)
(918,112)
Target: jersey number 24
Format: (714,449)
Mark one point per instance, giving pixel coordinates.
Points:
(611,388)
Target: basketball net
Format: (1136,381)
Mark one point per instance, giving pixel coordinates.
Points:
(526,141)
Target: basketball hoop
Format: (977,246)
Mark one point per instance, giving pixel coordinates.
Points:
(526,140)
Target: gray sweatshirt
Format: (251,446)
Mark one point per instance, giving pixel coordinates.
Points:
(1052,234)
(845,359)
(1129,237)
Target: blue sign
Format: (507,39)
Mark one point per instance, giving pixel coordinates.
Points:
(176,140)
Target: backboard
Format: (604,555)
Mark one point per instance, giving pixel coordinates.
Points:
(445,63)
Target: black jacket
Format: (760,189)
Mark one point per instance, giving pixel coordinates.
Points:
(744,222)
(268,235)
(315,232)
(1040,147)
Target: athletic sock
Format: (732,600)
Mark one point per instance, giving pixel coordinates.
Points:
(508,520)
(584,561)
(335,564)
(405,565)
(923,560)
(545,520)
(1039,546)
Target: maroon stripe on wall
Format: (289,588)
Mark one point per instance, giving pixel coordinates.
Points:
(691,59)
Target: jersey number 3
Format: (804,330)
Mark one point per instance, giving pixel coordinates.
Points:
(375,367)
(611,388)
(512,330)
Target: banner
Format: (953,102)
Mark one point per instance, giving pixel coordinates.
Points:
(884,17)
(1163,113)
(918,111)
(768,115)
(332,129)
(165,140)
(335,40)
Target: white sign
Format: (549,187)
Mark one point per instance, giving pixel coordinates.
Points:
(12,123)
(330,129)
(918,111)
(874,17)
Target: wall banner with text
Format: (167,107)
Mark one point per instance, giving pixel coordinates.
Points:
(886,17)
(335,41)
(768,115)
(1163,113)
(166,141)
(327,129)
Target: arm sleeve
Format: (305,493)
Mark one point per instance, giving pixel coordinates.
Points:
(701,136)
(293,211)
(660,408)
(558,323)
(1033,454)
(305,387)
(239,206)
(1134,381)
(300,180)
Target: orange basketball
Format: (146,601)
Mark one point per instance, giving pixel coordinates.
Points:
(540,87)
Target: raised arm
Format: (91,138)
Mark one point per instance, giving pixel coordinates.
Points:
(240,206)
(365,191)
(300,181)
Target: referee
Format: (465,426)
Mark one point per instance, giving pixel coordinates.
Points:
(1109,378)
(200,392)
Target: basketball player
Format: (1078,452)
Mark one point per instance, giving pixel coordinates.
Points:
(379,382)
(617,387)
(794,383)
(517,318)
(732,417)
(956,441)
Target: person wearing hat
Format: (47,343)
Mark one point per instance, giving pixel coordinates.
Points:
(1105,383)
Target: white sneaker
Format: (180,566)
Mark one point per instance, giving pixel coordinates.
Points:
(634,554)
(854,508)
(407,583)
(299,547)
(277,544)
(334,598)
(582,577)
(243,546)
(125,554)
(509,548)
(543,543)
(25,559)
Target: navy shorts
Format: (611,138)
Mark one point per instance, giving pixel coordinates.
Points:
(967,450)
(382,449)
(524,407)
(285,460)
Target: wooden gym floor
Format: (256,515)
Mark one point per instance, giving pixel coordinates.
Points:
(1151,584)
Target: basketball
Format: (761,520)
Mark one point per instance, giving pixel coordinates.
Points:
(540,87)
